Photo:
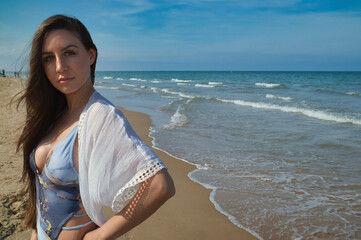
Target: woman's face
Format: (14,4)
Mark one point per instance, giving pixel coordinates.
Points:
(66,61)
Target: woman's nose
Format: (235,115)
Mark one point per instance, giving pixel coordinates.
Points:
(61,65)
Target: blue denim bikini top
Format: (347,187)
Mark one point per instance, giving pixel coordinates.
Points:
(57,188)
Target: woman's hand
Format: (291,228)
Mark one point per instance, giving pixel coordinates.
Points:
(93,235)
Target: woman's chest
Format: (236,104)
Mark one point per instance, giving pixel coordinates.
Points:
(56,149)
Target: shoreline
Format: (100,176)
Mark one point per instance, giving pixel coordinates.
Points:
(190,214)
(206,221)
(212,189)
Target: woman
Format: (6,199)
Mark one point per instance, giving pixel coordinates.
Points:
(80,153)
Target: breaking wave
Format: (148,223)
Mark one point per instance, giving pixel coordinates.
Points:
(321,115)
(279,97)
(268,85)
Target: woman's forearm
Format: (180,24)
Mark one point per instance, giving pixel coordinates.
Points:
(34,235)
(152,194)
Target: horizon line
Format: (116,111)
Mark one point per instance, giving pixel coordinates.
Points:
(227,70)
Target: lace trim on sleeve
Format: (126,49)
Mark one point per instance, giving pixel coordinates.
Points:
(127,192)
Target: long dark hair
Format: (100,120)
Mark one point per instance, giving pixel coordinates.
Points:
(44,103)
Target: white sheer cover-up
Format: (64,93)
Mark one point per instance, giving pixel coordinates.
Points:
(113,161)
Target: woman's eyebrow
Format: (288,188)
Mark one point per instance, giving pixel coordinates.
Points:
(64,48)
(69,46)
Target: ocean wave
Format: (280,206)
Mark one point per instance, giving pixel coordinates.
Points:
(180,81)
(179,119)
(182,84)
(183,95)
(154,89)
(108,77)
(169,107)
(165,108)
(137,79)
(279,97)
(114,88)
(268,85)
(338,92)
(155,81)
(307,112)
(204,85)
(352,93)
(120,79)
(215,83)
(129,85)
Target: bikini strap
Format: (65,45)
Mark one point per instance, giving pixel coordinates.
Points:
(77,227)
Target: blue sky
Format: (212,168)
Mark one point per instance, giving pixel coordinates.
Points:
(252,35)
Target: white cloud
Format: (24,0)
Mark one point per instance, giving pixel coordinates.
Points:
(245,3)
(128,8)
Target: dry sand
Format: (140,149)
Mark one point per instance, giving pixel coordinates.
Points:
(188,215)
(12,201)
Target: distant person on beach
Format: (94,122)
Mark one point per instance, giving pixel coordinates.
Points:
(3,73)
(80,152)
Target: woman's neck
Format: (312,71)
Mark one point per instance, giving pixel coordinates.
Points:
(78,100)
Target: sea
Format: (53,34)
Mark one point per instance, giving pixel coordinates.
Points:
(281,151)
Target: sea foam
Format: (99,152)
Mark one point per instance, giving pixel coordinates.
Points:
(279,97)
(113,88)
(129,85)
(180,81)
(268,85)
(183,95)
(204,85)
(212,198)
(179,119)
(307,112)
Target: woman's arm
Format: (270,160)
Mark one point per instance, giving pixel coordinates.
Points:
(152,194)
(34,235)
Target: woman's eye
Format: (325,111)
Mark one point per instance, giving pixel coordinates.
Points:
(69,53)
(48,58)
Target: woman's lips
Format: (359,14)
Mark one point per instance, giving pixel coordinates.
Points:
(65,80)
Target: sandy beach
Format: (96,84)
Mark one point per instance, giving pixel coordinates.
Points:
(188,215)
